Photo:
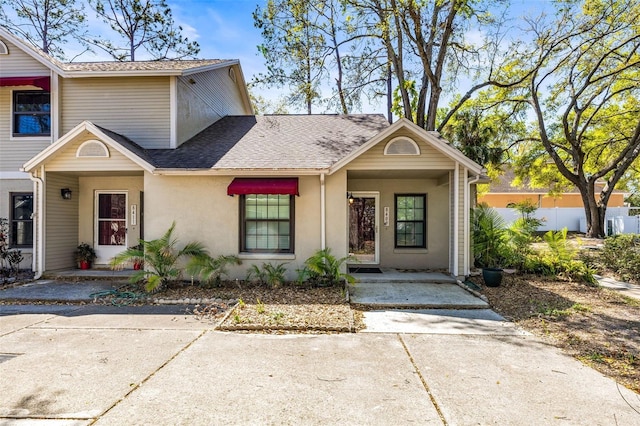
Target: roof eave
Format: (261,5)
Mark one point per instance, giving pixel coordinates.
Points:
(239,172)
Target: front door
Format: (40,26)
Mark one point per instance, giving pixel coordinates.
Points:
(363,227)
(111,225)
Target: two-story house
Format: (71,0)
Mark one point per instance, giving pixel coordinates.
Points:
(107,153)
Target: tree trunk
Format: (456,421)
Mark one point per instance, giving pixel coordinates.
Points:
(595,212)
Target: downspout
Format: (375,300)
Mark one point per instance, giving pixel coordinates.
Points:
(39,248)
(465,224)
(456,217)
(323,213)
(467,246)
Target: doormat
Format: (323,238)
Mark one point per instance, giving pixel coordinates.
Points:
(363,270)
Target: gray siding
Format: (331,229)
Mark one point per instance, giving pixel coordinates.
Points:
(61,219)
(203,99)
(67,160)
(136,107)
(18,64)
(429,158)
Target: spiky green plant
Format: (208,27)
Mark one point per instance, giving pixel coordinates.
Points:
(160,257)
(209,270)
(268,274)
(323,269)
(489,237)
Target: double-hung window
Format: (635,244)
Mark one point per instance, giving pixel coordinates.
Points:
(267,223)
(31,113)
(411,221)
(21,226)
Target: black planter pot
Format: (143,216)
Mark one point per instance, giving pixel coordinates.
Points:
(492,276)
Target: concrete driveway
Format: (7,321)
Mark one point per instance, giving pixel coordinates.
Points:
(78,365)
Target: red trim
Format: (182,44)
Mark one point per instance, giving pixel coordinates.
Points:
(282,186)
(41,82)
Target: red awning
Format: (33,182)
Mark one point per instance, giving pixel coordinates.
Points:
(41,82)
(282,186)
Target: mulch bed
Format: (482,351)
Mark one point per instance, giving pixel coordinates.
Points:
(598,326)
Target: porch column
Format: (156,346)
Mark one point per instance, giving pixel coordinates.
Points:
(456,217)
(323,214)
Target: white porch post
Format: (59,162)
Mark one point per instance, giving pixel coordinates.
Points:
(323,213)
(456,217)
(38,249)
(465,215)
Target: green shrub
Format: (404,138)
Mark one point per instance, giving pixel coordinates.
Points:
(268,274)
(558,259)
(209,270)
(322,269)
(621,255)
(160,258)
(490,248)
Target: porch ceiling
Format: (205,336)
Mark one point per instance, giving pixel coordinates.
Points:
(396,174)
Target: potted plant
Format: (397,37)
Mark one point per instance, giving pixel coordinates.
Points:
(85,254)
(489,244)
(138,262)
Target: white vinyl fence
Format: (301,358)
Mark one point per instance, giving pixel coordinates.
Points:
(619,220)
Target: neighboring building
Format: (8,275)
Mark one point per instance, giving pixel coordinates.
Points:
(122,150)
(502,194)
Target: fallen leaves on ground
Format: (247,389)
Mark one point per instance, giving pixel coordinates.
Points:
(598,326)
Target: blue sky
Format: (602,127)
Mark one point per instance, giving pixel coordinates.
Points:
(224,29)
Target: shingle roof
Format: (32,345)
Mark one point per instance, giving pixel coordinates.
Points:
(113,66)
(272,142)
(128,144)
(503,186)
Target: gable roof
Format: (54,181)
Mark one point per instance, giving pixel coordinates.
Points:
(274,142)
(122,144)
(432,138)
(116,68)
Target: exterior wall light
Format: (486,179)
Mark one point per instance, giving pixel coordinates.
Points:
(65,193)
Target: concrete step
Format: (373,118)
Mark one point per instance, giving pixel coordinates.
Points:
(90,274)
(413,295)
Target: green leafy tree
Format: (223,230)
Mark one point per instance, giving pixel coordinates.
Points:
(584,91)
(145,25)
(47,24)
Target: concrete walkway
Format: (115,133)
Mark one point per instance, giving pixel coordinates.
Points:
(628,289)
(81,365)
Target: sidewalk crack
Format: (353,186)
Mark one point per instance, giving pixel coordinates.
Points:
(424,382)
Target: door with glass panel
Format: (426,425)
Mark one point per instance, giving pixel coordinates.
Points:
(110,225)
(363,227)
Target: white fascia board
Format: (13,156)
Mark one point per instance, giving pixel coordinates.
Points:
(41,57)
(72,134)
(53,148)
(239,172)
(224,64)
(435,142)
(244,92)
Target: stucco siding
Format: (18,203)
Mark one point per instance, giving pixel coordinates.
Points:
(18,64)
(15,151)
(136,107)
(61,222)
(337,226)
(203,99)
(66,159)
(203,212)
(429,158)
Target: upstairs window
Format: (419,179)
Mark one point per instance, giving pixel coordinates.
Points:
(21,233)
(31,113)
